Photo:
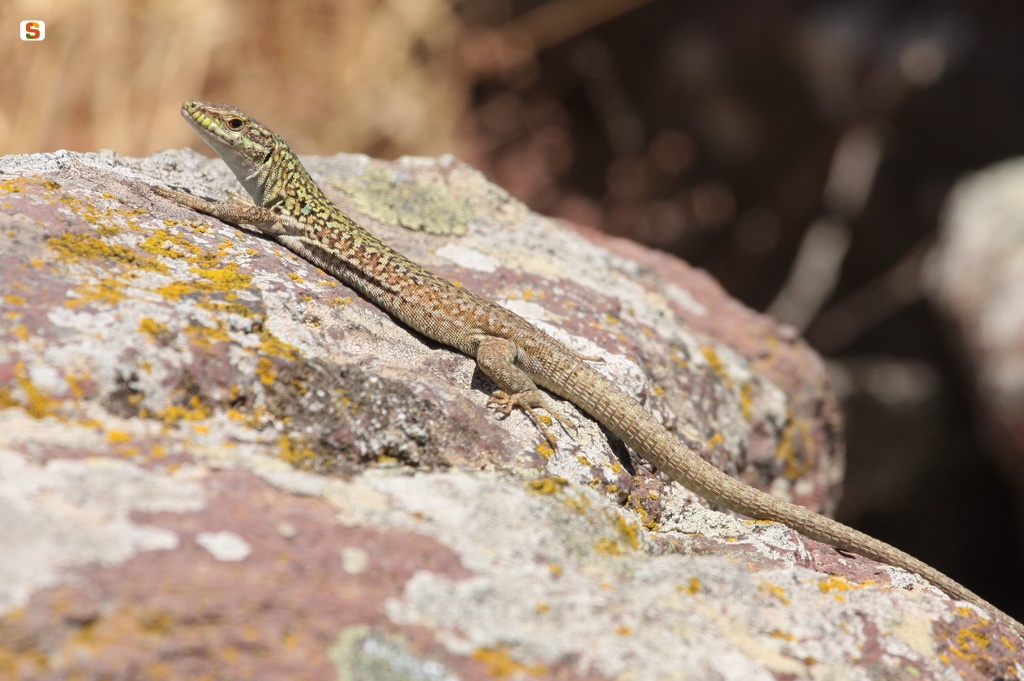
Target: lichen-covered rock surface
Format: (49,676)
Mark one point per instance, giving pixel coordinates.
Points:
(216,461)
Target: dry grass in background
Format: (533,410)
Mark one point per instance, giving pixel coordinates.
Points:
(384,77)
(361,75)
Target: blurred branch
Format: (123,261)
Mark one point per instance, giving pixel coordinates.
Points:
(552,23)
(819,259)
(556,22)
(874,302)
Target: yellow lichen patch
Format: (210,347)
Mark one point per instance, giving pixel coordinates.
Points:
(265,371)
(36,403)
(75,247)
(273,347)
(21,332)
(7,399)
(715,362)
(195,410)
(295,277)
(678,358)
(175,290)
(157,330)
(106,291)
(970,643)
(649,523)
(99,216)
(555,569)
(14,300)
(167,244)
(17,185)
(205,336)
(692,587)
(578,503)
(629,538)
(747,400)
(500,665)
(973,647)
(108,230)
(300,387)
(608,547)
(118,437)
(775,590)
(550,485)
(629,531)
(787,451)
(836,584)
(295,452)
(254,418)
(226,279)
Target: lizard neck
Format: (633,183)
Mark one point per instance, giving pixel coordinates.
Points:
(281,182)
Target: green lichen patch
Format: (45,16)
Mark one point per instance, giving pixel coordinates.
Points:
(420,206)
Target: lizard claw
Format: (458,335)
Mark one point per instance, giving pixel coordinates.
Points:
(530,401)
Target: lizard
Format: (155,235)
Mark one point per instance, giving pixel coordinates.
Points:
(289,207)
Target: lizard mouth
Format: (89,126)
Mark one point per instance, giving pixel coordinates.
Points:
(215,126)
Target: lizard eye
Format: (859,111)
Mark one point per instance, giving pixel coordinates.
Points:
(235,123)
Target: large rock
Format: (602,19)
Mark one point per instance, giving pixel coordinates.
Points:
(977,280)
(216,460)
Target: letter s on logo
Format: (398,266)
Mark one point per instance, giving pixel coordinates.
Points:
(33,30)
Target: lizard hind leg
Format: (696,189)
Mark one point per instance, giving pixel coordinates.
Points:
(496,357)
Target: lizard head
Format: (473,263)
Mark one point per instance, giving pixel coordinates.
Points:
(246,145)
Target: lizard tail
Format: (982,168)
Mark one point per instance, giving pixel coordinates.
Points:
(636,427)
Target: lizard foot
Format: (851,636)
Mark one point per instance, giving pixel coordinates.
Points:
(530,401)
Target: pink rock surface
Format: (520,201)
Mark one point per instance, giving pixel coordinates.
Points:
(218,462)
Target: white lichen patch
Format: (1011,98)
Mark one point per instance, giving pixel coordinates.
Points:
(67,514)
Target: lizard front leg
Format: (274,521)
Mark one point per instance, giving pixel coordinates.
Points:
(496,357)
(263,220)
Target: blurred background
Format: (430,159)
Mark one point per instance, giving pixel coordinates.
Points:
(801,152)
